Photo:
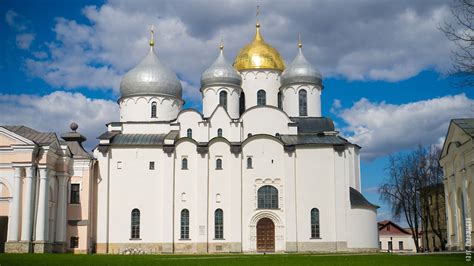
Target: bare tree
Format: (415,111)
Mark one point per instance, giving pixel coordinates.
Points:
(410,176)
(436,219)
(400,192)
(461,32)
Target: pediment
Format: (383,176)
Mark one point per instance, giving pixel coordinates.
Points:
(8,138)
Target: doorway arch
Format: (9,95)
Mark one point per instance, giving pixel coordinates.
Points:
(265,235)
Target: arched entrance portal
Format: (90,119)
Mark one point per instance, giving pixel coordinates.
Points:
(265,235)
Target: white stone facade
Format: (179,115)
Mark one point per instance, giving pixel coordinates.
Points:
(306,175)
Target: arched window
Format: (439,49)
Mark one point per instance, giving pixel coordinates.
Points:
(184,164)
(249,163)
(219,224)
(135,224)
(219,132)
(242,103)
(189,133)
(267,197)
(223,99)
(280,103)
(153,109)
(261,97)
(315,223)
(303,101)
(184,224)
(219,164)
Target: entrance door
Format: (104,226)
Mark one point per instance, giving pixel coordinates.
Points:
(3,232)
(265,235)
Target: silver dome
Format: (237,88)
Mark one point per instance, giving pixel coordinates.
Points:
(220,73)
(300,71)
(150,77)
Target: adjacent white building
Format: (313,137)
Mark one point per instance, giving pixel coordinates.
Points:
(260,170)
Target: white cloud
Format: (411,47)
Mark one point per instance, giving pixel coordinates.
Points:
(382,128)
(54,113)
(20,25)
(15,21)
(359,40)
(24,40)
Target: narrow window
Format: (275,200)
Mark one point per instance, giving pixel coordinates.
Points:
(219,224)
(75,194)
(135,230)
(267,197)
(189,133)
(242,103)
(74,242)
(223,99)
(184,224)
(152,166)
(261,97)
(280,104)
(249,163)
(303,102)
(184,164)
(315,223)
(219,132)
(219,164)
(390,247)
(400,245)
(153,109)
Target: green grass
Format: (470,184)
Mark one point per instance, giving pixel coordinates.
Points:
(258,259)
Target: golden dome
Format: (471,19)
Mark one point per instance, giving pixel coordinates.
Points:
(258,55)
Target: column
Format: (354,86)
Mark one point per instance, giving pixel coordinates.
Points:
(61,216)
(27,214)
(449,213)
(467,228)
(43,208)
(13,232)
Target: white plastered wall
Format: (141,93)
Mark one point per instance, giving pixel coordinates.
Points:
(138,108)
(255,80)
(211,96)
(290,99)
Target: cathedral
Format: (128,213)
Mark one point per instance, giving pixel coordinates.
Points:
(259,170)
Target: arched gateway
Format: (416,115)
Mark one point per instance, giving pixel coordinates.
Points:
(265,235)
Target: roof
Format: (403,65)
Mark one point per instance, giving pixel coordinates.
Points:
(42,138)
(466,124)
(313,139)
(313,124)
(138,139)
(359,201)
(383,224)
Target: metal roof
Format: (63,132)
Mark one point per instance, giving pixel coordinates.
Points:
(313,124)
(33,135)
(358,200)
(138,139)
(466,124)
(312,139)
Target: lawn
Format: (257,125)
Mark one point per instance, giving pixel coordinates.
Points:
(258,259)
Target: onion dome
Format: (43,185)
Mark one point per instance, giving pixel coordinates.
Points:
(258,55)
(301,71)
(221,73)
(151,77)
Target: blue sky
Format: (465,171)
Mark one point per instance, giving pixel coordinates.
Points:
(384,63)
